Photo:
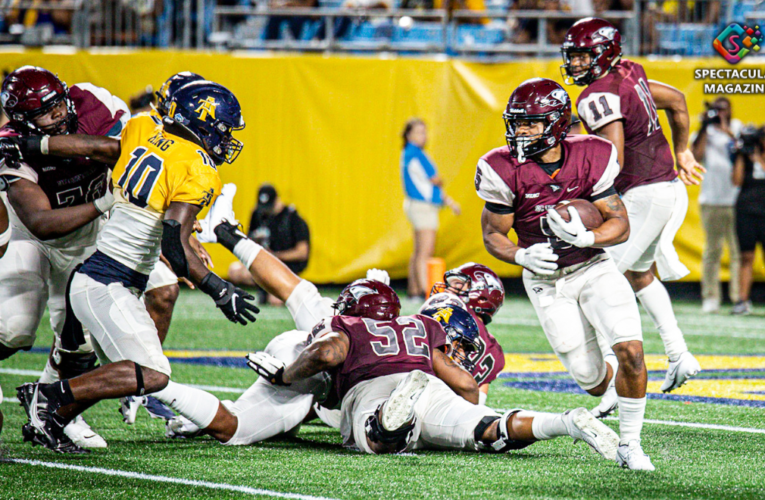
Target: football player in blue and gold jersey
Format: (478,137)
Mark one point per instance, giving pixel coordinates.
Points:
(166,174)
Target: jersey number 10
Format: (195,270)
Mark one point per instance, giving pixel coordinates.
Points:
(140,176)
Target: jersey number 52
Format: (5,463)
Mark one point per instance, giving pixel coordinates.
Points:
(140,176)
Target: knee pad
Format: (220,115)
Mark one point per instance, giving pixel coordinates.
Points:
(587,374)
(504,442)
(398,439)
(70,364)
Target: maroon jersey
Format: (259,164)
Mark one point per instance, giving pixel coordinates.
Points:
(623,94)
(588,170)
(489,359)
(68,182)
(381,348)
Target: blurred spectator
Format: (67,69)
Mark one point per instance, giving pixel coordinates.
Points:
(279,229)
(749,174)
(712,145)
(294,24)
(60,20)
(424,197)
(142,101)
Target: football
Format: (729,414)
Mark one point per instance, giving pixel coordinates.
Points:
(591,217)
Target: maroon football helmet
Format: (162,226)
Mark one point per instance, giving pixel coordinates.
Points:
(30,92)
(597,37)
(478,286)
(368,299)
(537,100)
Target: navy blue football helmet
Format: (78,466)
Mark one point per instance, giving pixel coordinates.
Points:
(166,91)
(461,331)
(211,113)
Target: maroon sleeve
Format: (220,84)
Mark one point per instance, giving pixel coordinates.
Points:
(98,112)
(436,334)
(493,350)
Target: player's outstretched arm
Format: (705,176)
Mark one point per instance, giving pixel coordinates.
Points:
(672,101)
(456,377)
(176,248)
(32,206)
(616,226)
(495,229)
(322,354)
(98,147)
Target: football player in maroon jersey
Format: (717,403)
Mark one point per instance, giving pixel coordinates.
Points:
(398,390)
(57,212)
(478,290)
(577,291)
(621,104)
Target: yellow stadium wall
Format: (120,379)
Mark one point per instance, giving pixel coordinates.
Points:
(326,132)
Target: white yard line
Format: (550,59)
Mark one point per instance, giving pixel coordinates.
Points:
(164,479)
(729,428)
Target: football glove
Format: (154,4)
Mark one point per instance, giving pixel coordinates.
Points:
(573,231)
(10,153)
(539,258)
(380,275)
(267,366)
(221,210)
(231,300)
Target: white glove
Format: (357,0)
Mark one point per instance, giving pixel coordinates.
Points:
(223,208)
(104,203)
(267,366)
(539,258)
(572,232)
(380,275)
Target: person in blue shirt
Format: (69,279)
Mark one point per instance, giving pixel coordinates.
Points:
(424,197)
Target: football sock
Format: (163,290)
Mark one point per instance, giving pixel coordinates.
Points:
(547,425)
(631,414)
(195,404)
(307,306)
(658,305)
(610,359)
(246,251)
(49,374)
(58,393)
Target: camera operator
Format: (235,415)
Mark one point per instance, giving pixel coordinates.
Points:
(712,145)
(749,175)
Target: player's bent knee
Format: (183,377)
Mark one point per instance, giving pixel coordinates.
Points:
(164,296)
(630,355)
(153,381)
(587,374)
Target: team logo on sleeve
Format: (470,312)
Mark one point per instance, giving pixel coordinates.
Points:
(206,108)
(207,197)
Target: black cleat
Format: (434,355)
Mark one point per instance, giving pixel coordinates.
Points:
(44,427)
(229,234)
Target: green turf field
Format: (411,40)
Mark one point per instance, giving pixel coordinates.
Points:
(726,460)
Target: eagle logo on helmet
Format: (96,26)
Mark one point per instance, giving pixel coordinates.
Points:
(206,108)
(555,98)
(5,98)
(604,34)
(360,291)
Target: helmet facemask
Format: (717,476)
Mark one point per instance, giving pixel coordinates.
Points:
(524,146)
(461,348)
(66,125)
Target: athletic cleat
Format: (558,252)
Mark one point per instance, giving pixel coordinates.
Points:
(129,408)
(157,409)
(82,435)
(608,404)
(222,209)
(180,427)
(680,371)
(583,426)
(742,308)
(631,456)
(44,428)
(398,410)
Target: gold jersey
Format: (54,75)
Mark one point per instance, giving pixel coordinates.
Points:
(155,169)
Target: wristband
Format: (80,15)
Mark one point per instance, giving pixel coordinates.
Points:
(32,146)
(213,285)
(5,237)
(44,145)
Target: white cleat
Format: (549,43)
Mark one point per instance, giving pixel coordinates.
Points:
(680,371)
(608,404)
(398,410)
(581,425)
(631,456)
(82,435)
(222,209)
(129,408)
(181,427)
